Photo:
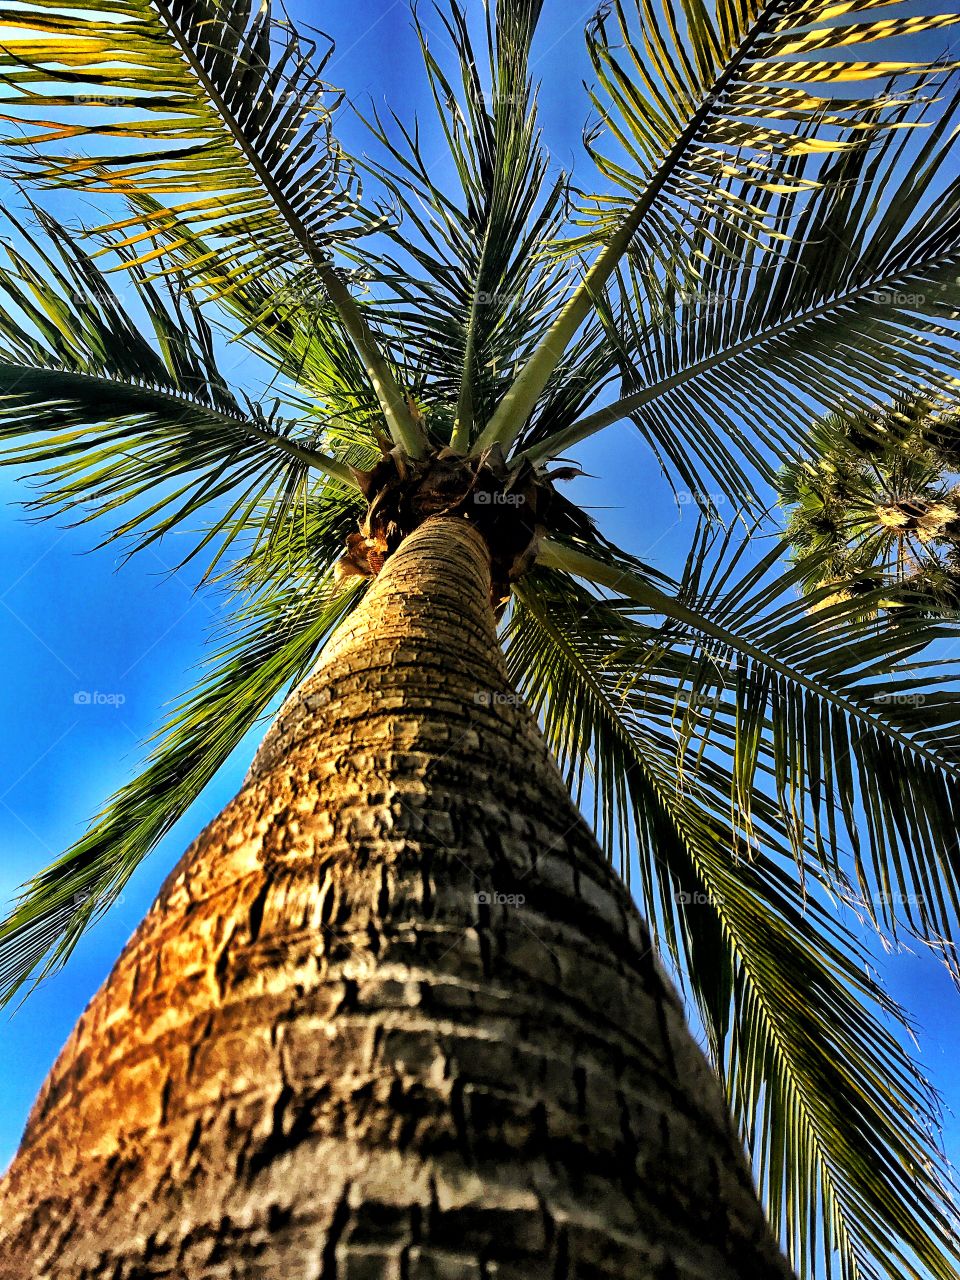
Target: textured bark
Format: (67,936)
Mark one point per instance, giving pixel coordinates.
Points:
(392,1017)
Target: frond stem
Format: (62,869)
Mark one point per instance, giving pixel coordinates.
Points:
(561,441)
(518,403)
(403,430)
(324,462)
(555,555)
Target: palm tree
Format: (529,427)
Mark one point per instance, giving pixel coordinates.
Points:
(878,506)
(395,1013)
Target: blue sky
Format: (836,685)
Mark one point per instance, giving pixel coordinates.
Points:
(73,623)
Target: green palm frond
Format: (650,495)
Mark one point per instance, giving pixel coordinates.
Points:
(728,129)
(725,371)
(291,602)
(113,421)
(778,240)
(184,92)
(461,289)
(292,328)
(852,724)
(469,286)
(837,1119)
(229,126)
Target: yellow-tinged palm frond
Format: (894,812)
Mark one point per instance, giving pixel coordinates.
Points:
(781,235)
(219,112)
(237,152)
(724,126)
(291,326)
(726,358)
(694,94)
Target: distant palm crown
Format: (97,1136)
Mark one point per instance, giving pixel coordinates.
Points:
(777,239)
(878,506)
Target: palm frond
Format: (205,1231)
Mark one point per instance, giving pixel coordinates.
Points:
(468,284)
(710,104)
(782,240)
(293,329)
(878,504)
(836,1117)
(727,129)
(292,603)
(229,126)
(115,422)
(855,721)
(733,359)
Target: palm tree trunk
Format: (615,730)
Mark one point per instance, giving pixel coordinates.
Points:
(392,1016)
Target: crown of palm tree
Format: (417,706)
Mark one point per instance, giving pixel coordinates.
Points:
(777,236)
(878,506)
